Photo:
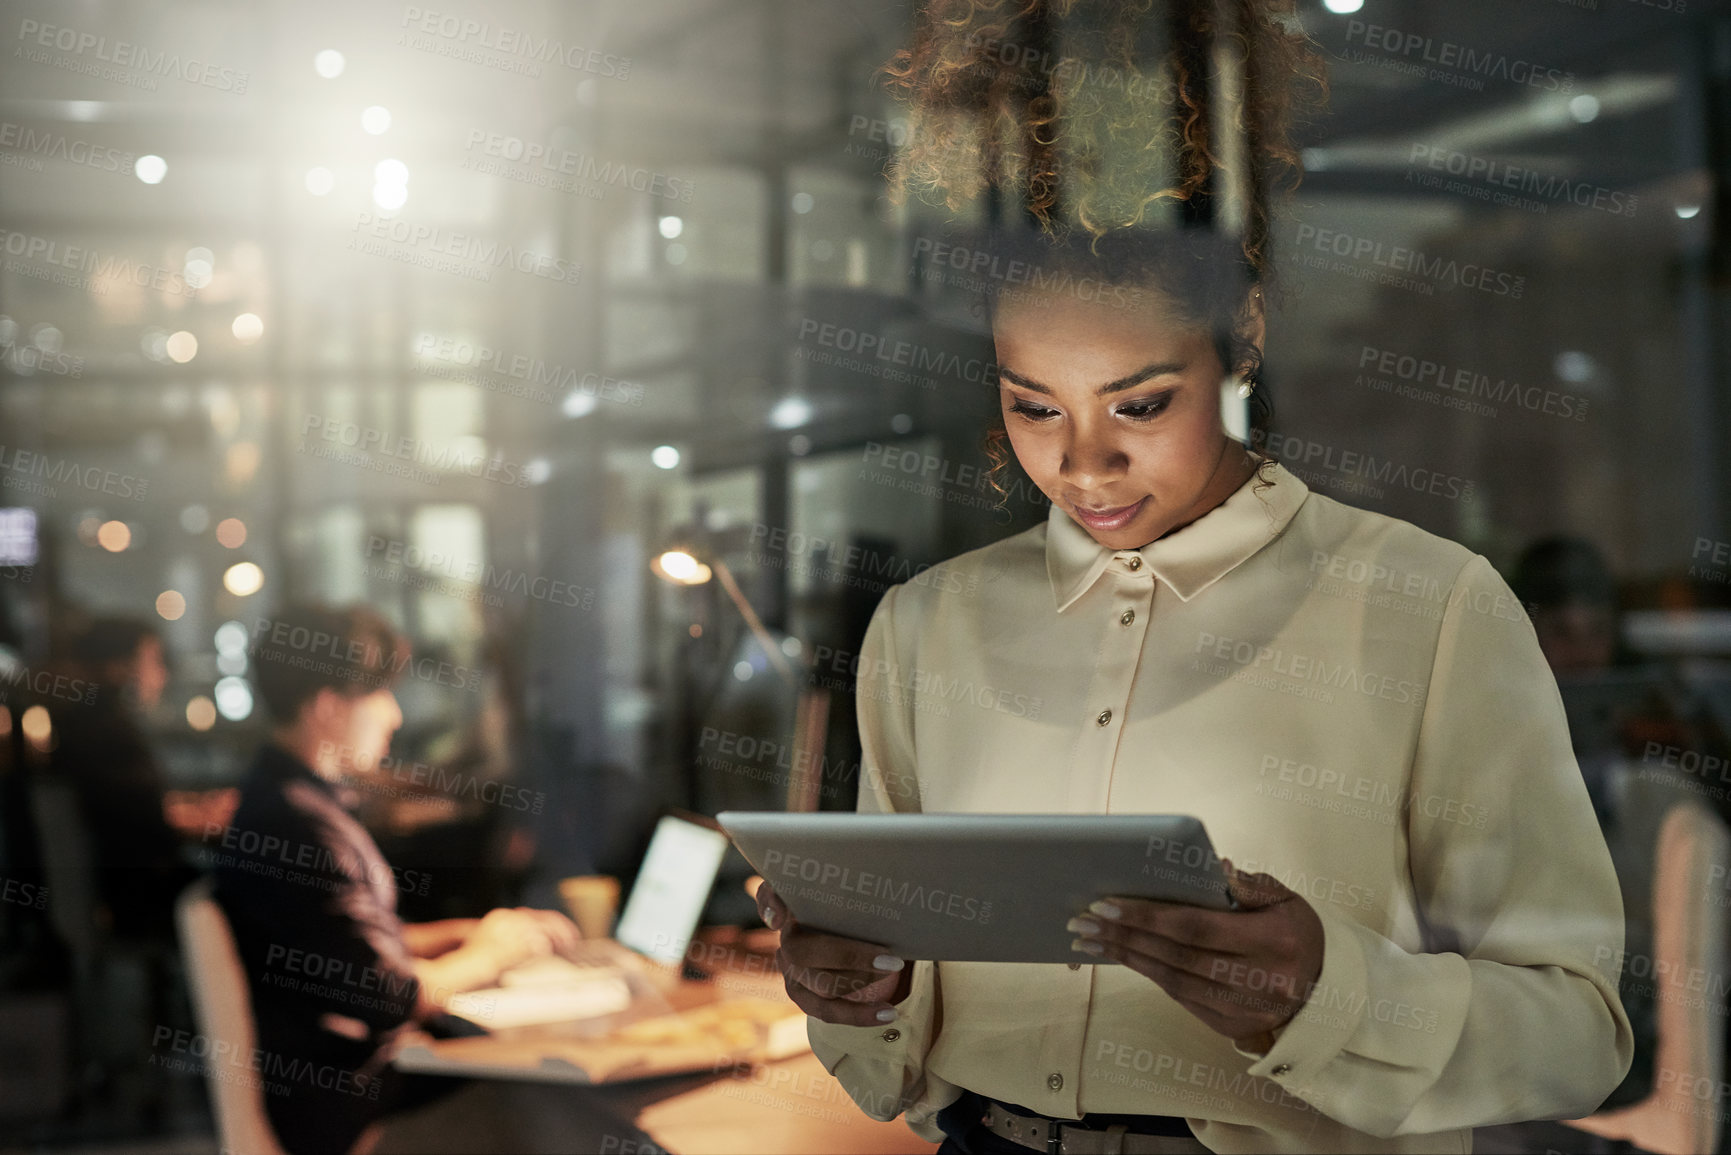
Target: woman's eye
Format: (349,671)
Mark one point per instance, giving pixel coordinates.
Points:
(1033,412)
(1143,410)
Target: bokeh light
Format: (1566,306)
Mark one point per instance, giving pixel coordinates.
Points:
(231,531)
(201,713)
(113,536)
(233,698)
(170,605)
(181,347)
(243,579)
(247,328)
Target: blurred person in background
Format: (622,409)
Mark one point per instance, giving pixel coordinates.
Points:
(101,750)
(335,974)
(1572,598)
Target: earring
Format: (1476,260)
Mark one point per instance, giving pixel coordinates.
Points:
(1245,388)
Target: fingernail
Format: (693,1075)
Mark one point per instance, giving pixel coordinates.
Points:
(887,1015)
(1106,909)
(1088,946)
(887,962)
(1082,926)
(769,919)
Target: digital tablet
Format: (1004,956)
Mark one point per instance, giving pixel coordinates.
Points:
(973,887)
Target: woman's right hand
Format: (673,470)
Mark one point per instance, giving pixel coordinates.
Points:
(832,978)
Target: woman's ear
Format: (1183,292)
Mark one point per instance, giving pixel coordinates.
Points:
(1253,319)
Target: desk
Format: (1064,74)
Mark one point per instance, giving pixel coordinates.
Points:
(790,1106)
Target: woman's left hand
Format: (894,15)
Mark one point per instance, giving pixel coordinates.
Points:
(1242,972)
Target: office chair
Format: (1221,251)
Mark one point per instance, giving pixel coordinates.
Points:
(223,1009)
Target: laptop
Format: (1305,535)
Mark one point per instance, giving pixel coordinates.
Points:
(661,913)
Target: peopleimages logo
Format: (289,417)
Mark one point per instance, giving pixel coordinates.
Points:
(1386,260)
(1499,174)
(1434,377)
(1448,62)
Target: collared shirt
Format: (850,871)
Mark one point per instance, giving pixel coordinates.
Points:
(1350,704)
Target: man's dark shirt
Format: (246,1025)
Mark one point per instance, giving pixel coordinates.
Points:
(313,905)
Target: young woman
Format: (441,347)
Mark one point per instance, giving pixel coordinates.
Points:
(1356,709)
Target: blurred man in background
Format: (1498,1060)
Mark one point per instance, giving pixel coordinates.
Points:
(301,880)
(102,752)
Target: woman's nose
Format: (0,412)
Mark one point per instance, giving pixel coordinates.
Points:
(1090,461)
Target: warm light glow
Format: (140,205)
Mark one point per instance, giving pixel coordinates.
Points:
(150,168)
(201,713)
(38,727)
(376,120)
(170,605)
(329,63)
(113,536)
(242,462)
(231,531)
(681,568)
(320,181)
(181,347)
(243,579)
(247,328)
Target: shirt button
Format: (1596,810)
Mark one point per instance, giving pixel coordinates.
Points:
(1282,1069)
(1135,563)
(890,1035)
(1126,617)
(1104,718)
(1055,1081)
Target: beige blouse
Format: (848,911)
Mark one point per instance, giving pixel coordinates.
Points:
(1350,704)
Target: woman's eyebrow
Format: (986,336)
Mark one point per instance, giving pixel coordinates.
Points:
(1130,381)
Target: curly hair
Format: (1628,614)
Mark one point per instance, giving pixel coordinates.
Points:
(1093,112)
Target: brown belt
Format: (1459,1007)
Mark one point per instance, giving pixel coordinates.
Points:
(1058,1138)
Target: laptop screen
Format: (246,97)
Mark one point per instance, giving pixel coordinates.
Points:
(666,902)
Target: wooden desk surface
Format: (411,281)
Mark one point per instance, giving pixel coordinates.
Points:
(791,1106)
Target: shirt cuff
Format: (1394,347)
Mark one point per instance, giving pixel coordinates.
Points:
(878,1066)
(1313,1037)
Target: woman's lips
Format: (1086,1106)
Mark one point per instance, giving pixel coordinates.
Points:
(1106,520)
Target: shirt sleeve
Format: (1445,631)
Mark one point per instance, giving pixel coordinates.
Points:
(324,942)
(882,1068)
(1515,1015)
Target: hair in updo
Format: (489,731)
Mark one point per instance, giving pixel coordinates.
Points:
(1097,113)
(1137,142)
